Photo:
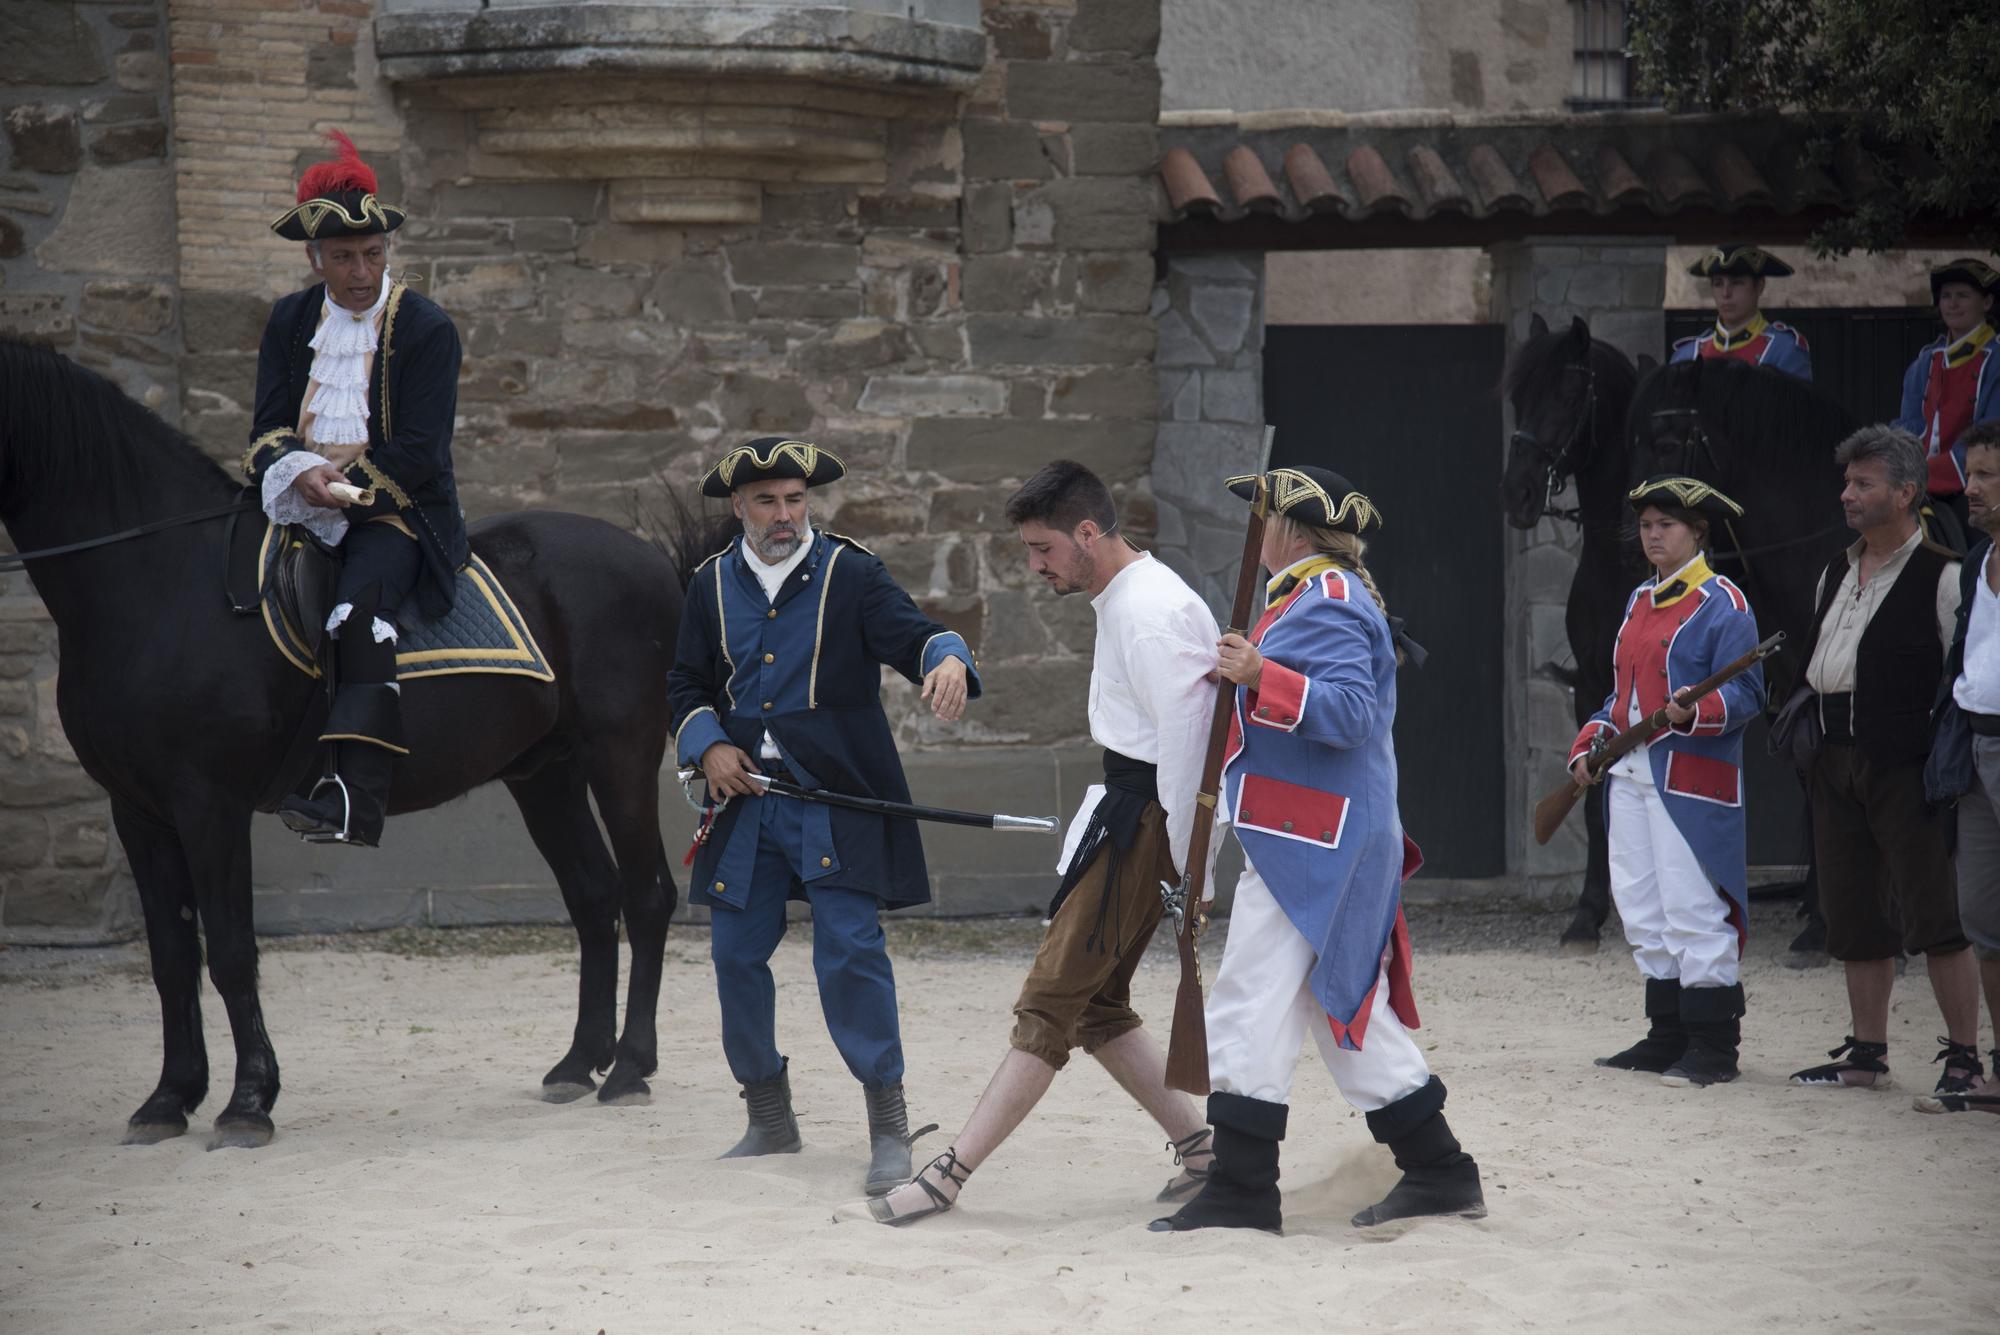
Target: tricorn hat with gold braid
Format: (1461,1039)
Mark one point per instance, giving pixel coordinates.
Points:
(1975,273)
(1741,258)
(769,457)
(1671,491)
(338,199)
(1316,496)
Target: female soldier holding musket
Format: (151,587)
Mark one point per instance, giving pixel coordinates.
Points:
(1675,809)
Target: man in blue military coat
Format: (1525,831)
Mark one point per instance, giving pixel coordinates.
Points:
(778,672)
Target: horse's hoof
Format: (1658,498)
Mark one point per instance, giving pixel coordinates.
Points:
(566,1091)
(625,1093)
(1578,945)
(152,1133)
(242,1131)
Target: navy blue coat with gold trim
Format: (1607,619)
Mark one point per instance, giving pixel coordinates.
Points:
(412,400)
(808,668)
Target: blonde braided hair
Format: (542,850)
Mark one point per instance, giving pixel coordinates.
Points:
(1345,548)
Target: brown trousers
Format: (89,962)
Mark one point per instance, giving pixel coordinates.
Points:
(1078,993)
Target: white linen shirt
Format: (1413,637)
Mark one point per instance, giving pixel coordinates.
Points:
(1150,697)
(1977,689)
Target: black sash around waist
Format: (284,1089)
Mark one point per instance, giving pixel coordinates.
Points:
(1130,786)
(1983,725)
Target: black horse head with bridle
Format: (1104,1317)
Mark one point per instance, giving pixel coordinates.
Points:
(1568,392)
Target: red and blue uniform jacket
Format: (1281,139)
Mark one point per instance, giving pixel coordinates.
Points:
(1678,634)
(1950,387)
(1761,343)
(1309,781)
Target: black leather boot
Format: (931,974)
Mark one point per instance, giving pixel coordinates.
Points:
(1714,1020)
(1242,1186)
(1665,1041)
(1439,1178)
(889,1139)
(773,1129)
(365,729)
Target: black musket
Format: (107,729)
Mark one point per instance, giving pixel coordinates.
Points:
(881,807)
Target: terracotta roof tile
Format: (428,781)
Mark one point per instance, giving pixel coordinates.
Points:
(1312,183)
(1250,185)
(1677,182)
(1374,182)
(1617,182)
(1556,180)
(1187,184)
(1497,186)
(1435,182)
(1742,184)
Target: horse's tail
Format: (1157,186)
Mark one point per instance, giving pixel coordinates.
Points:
(683,533)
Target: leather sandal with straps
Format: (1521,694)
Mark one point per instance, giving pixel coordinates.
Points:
(948,1167)
(1185,1148)
(1860,1058)
(1962,1067)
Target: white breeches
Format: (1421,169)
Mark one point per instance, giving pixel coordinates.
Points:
(1676,919)
(1262,1007)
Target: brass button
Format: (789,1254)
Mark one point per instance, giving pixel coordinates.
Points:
(772,613)
(805,579)
(1264,711)
(1663,643)
(770,658)
(1288,827)
(1326,836)
(826,862)
(1663,672)
(1288,719)
(718,887)
(1244,815)
(767,704)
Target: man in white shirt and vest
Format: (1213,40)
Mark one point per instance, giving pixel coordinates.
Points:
(1151,696)
(1875,656)
(1965,761)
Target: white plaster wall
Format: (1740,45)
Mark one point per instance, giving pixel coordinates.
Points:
(1447,286)
(1893,278)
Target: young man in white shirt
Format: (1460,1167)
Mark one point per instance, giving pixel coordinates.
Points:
(1151,695)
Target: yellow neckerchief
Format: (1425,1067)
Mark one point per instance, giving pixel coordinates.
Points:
(1725,341)
(1682,582)
(1965,349)
(1296,574)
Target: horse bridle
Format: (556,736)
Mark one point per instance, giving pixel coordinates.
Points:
(1696,449)
(1557,467)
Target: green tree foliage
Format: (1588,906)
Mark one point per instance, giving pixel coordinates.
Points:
(1912,85)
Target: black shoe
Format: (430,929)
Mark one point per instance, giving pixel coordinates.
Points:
(773,1129)
(1439,1178)
(1714,1020)
(1665,1041)
(1242,1186)
(348,807)
(889,1139)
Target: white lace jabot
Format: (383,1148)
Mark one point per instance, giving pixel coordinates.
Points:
(343,354)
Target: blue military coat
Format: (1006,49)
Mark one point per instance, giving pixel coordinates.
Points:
(1309,781)
(1983,347)
(1700,622)
(1760,343)
(808,668)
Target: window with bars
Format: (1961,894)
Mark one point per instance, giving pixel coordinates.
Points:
(1604,76)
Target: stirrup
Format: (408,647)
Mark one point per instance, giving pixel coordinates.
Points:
(1859,1056)
(948,1165)
(1962,1066)
(317,833)
(1195,1143)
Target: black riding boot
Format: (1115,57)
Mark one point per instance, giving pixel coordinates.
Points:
(889,1139)
(773,1129)
(1665,1041)
(365,729)
(1242,1186)
(1714,1020)
(1438,1177)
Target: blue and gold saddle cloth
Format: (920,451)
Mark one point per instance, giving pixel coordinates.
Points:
(483,631)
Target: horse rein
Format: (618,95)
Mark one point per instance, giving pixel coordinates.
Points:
(1554,474)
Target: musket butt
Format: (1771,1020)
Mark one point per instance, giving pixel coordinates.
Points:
(1039,824)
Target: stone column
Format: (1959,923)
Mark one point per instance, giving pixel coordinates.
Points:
(1617,285)
(1210,310)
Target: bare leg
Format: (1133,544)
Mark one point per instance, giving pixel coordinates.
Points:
(1139,1065)
(1869,983)
(1955,982)
(1989,979)
(1015,1089)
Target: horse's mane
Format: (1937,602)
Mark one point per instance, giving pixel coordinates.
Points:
(1536,366)
(1785,419)
(685,534)
(65,429)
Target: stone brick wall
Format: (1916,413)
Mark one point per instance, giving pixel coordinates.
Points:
(87,258)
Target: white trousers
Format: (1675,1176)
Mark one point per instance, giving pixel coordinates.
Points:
(1676,919)
(1262,1007)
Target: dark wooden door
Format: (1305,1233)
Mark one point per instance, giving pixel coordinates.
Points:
(1409,415)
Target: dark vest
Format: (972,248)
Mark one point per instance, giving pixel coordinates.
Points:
(1899,661)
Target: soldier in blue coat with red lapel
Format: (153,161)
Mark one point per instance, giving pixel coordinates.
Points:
(778,671)
(1736,273)
(1675,805)
(1317,942)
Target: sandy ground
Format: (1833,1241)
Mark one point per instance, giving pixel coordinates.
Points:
(417,1184)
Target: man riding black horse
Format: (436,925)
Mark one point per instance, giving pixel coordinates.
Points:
(335,407)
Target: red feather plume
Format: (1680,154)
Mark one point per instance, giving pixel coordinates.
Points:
(346,172)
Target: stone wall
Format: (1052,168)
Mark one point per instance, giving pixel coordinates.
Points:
(1210,312)
(87,257)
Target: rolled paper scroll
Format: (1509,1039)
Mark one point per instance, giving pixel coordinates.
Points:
(352,494)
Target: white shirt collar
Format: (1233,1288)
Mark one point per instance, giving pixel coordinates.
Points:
(773,577)
(1103,598)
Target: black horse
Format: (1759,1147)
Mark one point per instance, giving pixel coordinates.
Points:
(1570,392)
(184,711)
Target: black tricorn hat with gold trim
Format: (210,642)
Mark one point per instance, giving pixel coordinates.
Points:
(338,199)
(769,457)
(1740,258)
(1967,269)
(1311,495)
(1674,492)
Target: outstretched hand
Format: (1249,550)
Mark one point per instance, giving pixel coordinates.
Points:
(945,688)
